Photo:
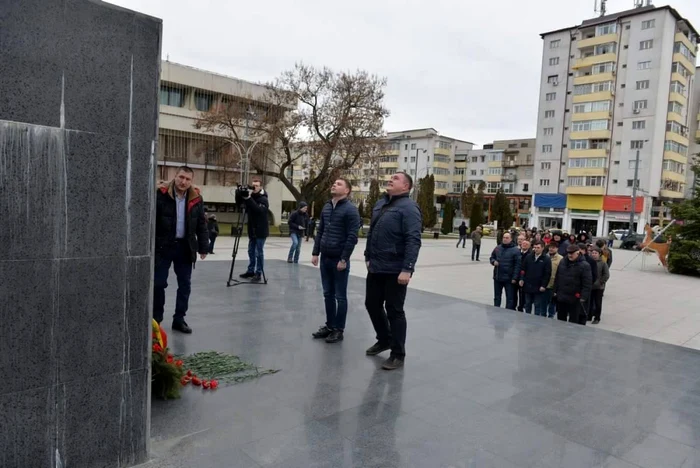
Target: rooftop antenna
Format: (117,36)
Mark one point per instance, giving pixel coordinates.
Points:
(638,3)
(599,7)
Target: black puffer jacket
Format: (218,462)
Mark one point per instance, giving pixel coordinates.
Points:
(196,229)
(536,273)
(297,220)
(257,206)
(393,240)
(508,258)
(336,235)
(573,281)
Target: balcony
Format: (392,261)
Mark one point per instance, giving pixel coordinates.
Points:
(678,57)
(670,194)
(495,164)
(597,40)
(390,152)
(389,165)
(493,178)
(440,164)
(677,138)
(599,96)
(510,163)
(680,37)
(585,190)
(593,59)
(597,78)
(585,171)
(678,97)
(442,177)
(588,153)
(590,135)
(509,177)
(675,117)
(600,115)
(673,156)
(443,151)
(673,176)
(679,77)
(440,191)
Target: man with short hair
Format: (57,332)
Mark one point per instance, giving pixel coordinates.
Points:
(598,285)
(476,242)
(505,259)
(256,205)
(335,241)
(605,252)
(555,259)
(297,223)
(181,233)
(525,250)
(393,243)
(572,287)
(534,277)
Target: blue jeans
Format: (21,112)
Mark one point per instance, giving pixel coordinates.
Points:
(179,256)
(498,287)
(539,300)
(295,250)
(550,303)
(335,288)
(255,255)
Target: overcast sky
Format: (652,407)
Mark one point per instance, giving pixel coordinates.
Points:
(469,69)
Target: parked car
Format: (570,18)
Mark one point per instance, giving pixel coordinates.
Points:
(620,233)
(632,242)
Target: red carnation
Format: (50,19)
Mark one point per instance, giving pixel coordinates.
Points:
(184,381)
(577,295)
(189,373)
(213,384)
(157,348)
(179,363)
(169,359)
(205,384)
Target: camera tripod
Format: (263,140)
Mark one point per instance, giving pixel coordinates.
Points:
(236,242)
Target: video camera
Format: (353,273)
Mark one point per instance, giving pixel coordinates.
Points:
(243,192)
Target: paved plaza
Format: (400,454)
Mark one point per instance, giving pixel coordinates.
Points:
(482,387)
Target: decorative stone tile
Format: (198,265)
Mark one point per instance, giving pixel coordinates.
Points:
(137,328)
(135,417)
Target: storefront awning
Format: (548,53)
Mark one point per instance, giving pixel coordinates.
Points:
(550,200)
(622,204)
(584,202)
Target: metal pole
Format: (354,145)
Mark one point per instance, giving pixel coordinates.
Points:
(415,190)
(634,194)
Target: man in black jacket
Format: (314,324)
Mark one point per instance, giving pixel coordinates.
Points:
(572,287)
(525,250)
(335,241)
(256,205)
(534,278)
(213,233)
(181,232)
(393,243)
(298,222)
(505,259)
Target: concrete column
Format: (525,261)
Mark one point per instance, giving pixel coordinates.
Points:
(566,222)
(78,127)
(600,230)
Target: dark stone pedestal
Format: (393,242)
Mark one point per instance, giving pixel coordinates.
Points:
(78,125)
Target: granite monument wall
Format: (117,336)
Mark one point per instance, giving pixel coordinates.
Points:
(78,127)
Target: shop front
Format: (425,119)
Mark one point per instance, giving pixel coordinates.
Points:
(617,213)
(586,213)
(549,211)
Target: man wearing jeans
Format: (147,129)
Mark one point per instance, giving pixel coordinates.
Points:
(335,240)
(393,243)
(298,222)
(256,205)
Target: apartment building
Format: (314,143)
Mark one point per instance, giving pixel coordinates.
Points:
(612,88)
(694,133)
(186,92)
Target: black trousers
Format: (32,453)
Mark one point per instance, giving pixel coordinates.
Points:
(476,248)
(384,301)
(575,312)
(596,303)
(520,295)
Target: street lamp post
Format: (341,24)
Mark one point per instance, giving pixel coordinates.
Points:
(634,193)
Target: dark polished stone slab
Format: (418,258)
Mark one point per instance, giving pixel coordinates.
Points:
(513,391)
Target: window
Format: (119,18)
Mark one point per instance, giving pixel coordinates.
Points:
(554,61)
(528,158)
(495,171)
(528,172)
(681,48)
(170,96)
(676,107)
(413,146)
(636,144)
(604,29)
(680,69)
(578,144)
(614,181)
(677,87)
(595,106)
(648,24)
(483,158)
(587,181)
(544,182)
(586,125)
(523,145)
(526,187)
(670,145)
(551,96)
(203,101)
(481,172)
(639,125)
(587,162)
(413,159)
(674,166)
(549,114)
(546,148)
(675,127)
(553,79)
(546,165)
(648,44)
(405,146)
(672,185)
(495,157)
(646,65)
(600,144)
(554,44)
(549,131)
(443,145)
(640,104)
(405,159)
(644,84)
(630,181)
(632,164)
(608,48)
(473,172)
(592,88)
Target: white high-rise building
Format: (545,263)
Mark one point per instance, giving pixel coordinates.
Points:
(613,88)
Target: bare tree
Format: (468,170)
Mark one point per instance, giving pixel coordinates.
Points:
(329,121)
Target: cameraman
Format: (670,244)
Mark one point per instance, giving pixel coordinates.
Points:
(256,205)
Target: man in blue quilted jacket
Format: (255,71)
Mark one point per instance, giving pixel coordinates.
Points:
(393,243)
(336,238)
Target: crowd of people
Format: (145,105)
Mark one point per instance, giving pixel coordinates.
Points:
(554,273)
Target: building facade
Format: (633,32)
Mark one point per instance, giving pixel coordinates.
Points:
(614,90)
(186,92)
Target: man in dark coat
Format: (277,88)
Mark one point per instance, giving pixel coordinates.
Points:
(524,246)
(335,242)
(298,222)
(256,205)
(213,233)
(505,259)
(462,234)
(393,243)
(534,278)
(181,233)
(572,287)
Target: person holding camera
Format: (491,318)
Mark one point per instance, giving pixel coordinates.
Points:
(335,241)
(298,222)
(256,205)
(181,233)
